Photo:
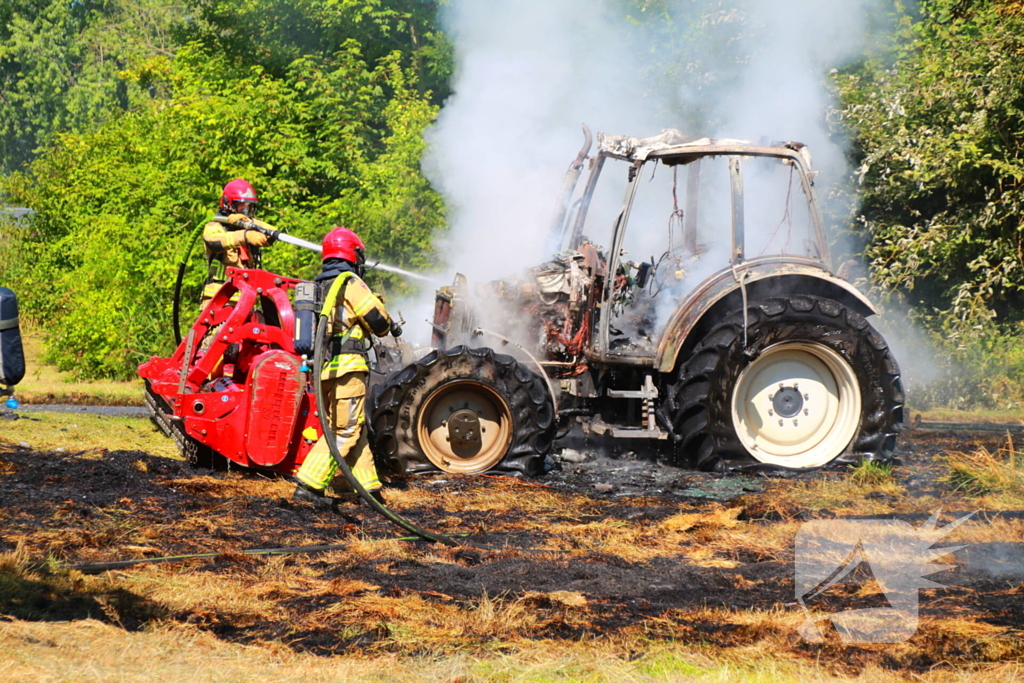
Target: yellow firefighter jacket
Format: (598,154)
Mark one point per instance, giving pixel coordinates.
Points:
(354,312)
(223,244)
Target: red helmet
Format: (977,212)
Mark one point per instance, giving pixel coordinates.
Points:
(344,244)
(238,197)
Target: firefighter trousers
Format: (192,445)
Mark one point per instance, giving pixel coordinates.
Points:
(347,418)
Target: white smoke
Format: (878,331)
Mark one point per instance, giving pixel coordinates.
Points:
(529,72)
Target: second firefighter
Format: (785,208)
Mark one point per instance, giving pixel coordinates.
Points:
(357,313)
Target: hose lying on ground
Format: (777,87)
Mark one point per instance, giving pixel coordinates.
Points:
(96,568)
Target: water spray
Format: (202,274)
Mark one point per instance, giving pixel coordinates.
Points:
(282,237)
(273,236)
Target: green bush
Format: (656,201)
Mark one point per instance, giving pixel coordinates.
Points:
(332,140)
(937,123)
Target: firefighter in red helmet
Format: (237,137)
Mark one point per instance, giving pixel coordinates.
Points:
(233,244)
(357,313)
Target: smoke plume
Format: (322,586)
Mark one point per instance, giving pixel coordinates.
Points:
(529,72)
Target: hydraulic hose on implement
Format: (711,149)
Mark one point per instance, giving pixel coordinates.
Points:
(329,435)
(176,302)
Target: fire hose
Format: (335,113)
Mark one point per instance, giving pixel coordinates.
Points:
(329,435)
(272,236)
(97,567)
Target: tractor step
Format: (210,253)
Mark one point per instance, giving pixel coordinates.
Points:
(659,434)
(648,395)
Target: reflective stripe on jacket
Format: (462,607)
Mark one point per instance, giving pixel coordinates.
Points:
(357,314)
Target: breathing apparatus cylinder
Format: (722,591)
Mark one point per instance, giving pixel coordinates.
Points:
(305,307)
(12,357)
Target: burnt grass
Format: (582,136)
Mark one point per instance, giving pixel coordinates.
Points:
(67,509)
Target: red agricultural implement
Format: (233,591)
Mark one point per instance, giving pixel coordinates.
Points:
(236,385)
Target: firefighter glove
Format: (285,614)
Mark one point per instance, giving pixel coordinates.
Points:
(256,238)
(396,329)
(239,219)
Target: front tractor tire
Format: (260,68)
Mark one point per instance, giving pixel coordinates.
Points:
(813,384)
(463,410)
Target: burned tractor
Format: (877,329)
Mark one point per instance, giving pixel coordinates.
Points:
(709,323)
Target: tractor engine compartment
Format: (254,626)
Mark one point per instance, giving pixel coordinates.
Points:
(549,309)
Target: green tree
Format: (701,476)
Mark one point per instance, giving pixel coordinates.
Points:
(275,33)
(326,139)
(938,122)
(940,135)
(60,65)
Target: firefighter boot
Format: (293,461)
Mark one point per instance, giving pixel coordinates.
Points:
(350,496)
(315,497)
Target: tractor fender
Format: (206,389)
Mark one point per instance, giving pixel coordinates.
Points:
(716,297)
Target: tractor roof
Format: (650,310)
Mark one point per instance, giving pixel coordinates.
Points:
(673,142)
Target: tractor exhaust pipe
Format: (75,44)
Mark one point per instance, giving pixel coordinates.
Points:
(572,176)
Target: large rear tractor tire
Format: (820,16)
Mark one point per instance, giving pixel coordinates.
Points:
(812,384)
(464,411)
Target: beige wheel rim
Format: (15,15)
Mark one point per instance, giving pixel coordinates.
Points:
(464,427)
(797,405)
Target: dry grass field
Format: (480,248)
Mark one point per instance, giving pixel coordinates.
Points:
(615,569)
